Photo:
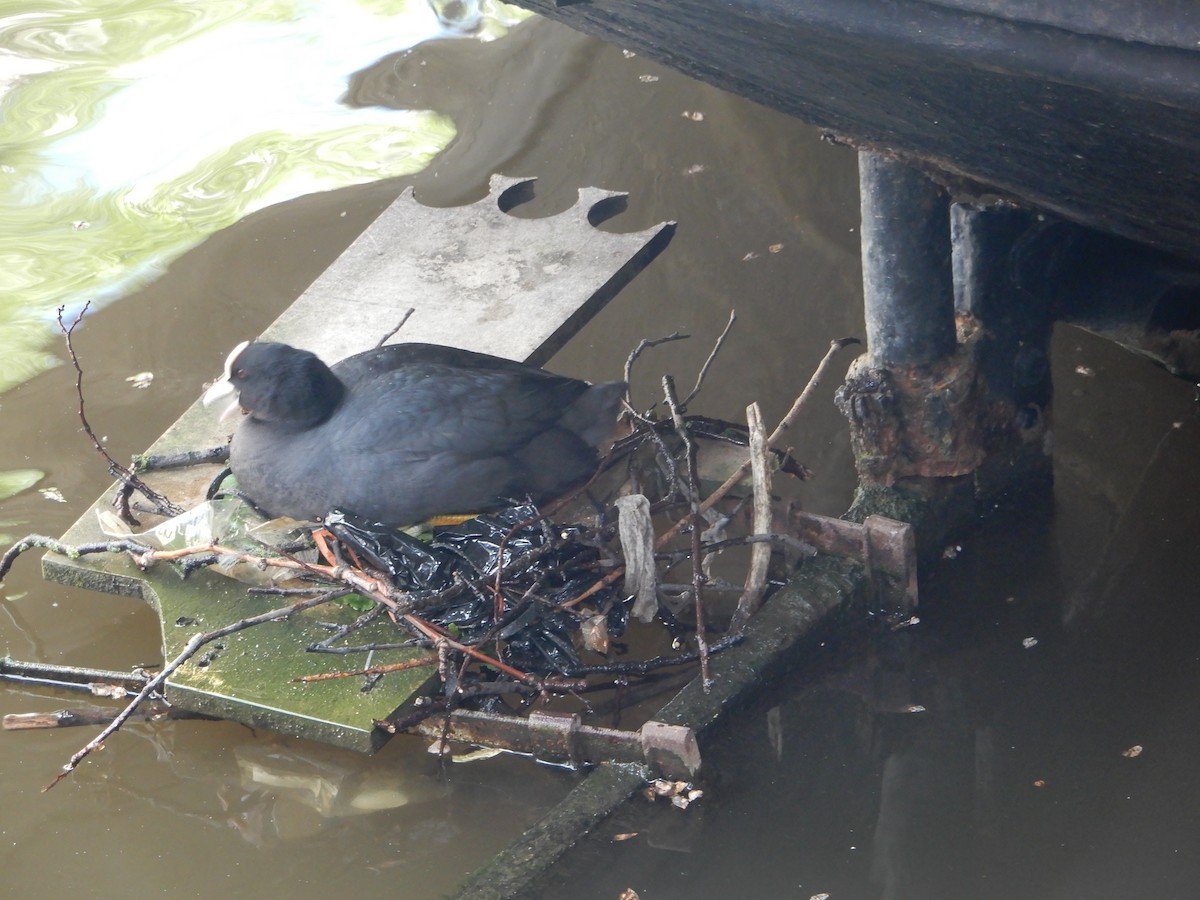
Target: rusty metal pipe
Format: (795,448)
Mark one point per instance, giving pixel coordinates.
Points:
(908,288)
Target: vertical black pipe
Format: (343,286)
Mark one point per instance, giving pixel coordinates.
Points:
(1013,350)
(907,279)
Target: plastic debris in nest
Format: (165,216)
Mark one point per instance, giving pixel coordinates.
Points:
(451,576)
(227,521)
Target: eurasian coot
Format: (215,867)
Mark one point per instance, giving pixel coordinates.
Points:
(403,433)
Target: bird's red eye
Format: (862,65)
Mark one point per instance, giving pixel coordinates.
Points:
(240,373)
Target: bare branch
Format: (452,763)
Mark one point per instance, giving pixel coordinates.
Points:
(403,319)
(161,504)
(189,650)
(697,523)
(708,362)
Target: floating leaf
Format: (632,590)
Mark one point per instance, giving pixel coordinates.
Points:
(17,480)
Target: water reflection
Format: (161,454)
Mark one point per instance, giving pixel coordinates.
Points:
(132,134)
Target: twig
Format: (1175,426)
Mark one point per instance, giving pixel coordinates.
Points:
(403,319)
(373,670)
(645,666)
(72,677)
(698,577)
(801,401)
(40,541)
(195,643)
(161,504)
(93,715)
(155,462)
(708,362)
(646,344)
(809,389)
(189,650)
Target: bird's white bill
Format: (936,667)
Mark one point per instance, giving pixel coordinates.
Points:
(223,386)
(222,389)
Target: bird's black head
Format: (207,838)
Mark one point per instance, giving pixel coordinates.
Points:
(282,385)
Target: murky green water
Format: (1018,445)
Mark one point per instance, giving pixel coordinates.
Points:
(132,131)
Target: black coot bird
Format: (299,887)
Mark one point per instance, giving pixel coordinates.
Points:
(404,433)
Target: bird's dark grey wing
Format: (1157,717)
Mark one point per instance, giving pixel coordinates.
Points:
(418,412)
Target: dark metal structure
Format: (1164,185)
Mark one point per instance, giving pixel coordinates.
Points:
(1088,110)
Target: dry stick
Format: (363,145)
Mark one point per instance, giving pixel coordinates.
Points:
(189,650)
(162,505)
(817,377)
(436,634)
(374,670)
(70,718)
(404,319)
(760,554)
(646,344)
(360,582)
(41,542)
(708,362)
(698,579)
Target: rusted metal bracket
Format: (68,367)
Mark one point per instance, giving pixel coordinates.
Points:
(886,547)
(670,751)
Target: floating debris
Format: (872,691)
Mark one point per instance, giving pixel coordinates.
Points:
(1029,642)
(647,79)
(681,793)
(1132,752)
(52,493)
(1085,371)
(141,380)
(694,116)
